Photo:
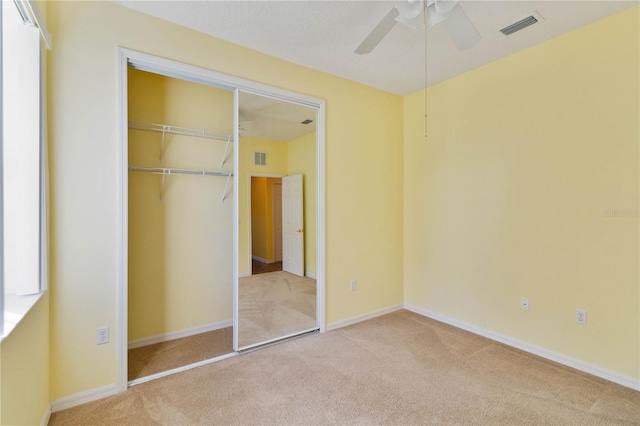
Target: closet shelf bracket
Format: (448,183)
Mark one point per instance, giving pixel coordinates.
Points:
(164,132)
(226,186)
(226,149)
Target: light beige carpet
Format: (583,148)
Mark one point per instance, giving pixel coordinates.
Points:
(397,369)
(159,357)
(273,305)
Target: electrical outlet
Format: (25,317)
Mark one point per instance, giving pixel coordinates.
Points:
(581,316)
(102,336)
(353,285)
(524,303)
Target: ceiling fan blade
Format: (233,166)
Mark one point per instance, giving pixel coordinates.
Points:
(378,33)
(460,29)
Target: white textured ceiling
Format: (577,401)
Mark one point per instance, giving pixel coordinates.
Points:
(323,34)
(268,118)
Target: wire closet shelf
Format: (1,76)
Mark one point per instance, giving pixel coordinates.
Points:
(175,130)
(184,131)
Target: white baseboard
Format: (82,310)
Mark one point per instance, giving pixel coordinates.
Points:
(244,274)
(603,373)
(181,369)
(363,317)
(146,341)
(83,397)
(259,259)
(46,416)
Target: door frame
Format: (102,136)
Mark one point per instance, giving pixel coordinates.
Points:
(249,216)
(273,222)
(181,70)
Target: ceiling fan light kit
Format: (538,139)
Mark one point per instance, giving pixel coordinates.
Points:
(444,6)
(453,19)
(409,9)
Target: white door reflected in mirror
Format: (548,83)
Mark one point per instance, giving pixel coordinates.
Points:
(293,225)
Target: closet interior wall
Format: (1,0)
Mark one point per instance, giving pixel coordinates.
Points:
(180,274)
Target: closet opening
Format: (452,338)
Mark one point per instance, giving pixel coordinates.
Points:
(180,265)
(183,222)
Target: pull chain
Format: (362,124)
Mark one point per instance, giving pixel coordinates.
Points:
(426,28)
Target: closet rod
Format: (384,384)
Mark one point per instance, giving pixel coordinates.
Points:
(185,131)
(166,171)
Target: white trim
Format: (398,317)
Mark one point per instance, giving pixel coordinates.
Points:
(122,203)
(32,17)
(364,317)
(181,369)
(320,217)
(185,71)
(236,214)
(276,340)
(275,234)
(84,397)
(603,373)
(46,416)
(146,341)
(261,260)
(2,197)
(312,276)
(244,274)
(15,309)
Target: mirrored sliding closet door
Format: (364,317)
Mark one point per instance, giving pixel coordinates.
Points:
(277,205)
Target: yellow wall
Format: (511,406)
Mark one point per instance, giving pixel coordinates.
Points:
(364,171)
(180,249)
(24,363)
(259,218)
(302,160)
(507,196)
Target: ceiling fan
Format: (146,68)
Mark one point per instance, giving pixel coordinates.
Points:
(448,14)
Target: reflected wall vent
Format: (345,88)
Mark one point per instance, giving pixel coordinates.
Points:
(260,158)
(521,24)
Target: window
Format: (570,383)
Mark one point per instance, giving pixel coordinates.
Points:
(22,254)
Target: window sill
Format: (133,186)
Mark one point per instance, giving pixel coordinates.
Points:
(15,309)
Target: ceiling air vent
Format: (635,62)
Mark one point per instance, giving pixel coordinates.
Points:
(521,24)
(259,158)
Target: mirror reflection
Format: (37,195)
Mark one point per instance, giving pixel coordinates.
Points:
(277,220)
